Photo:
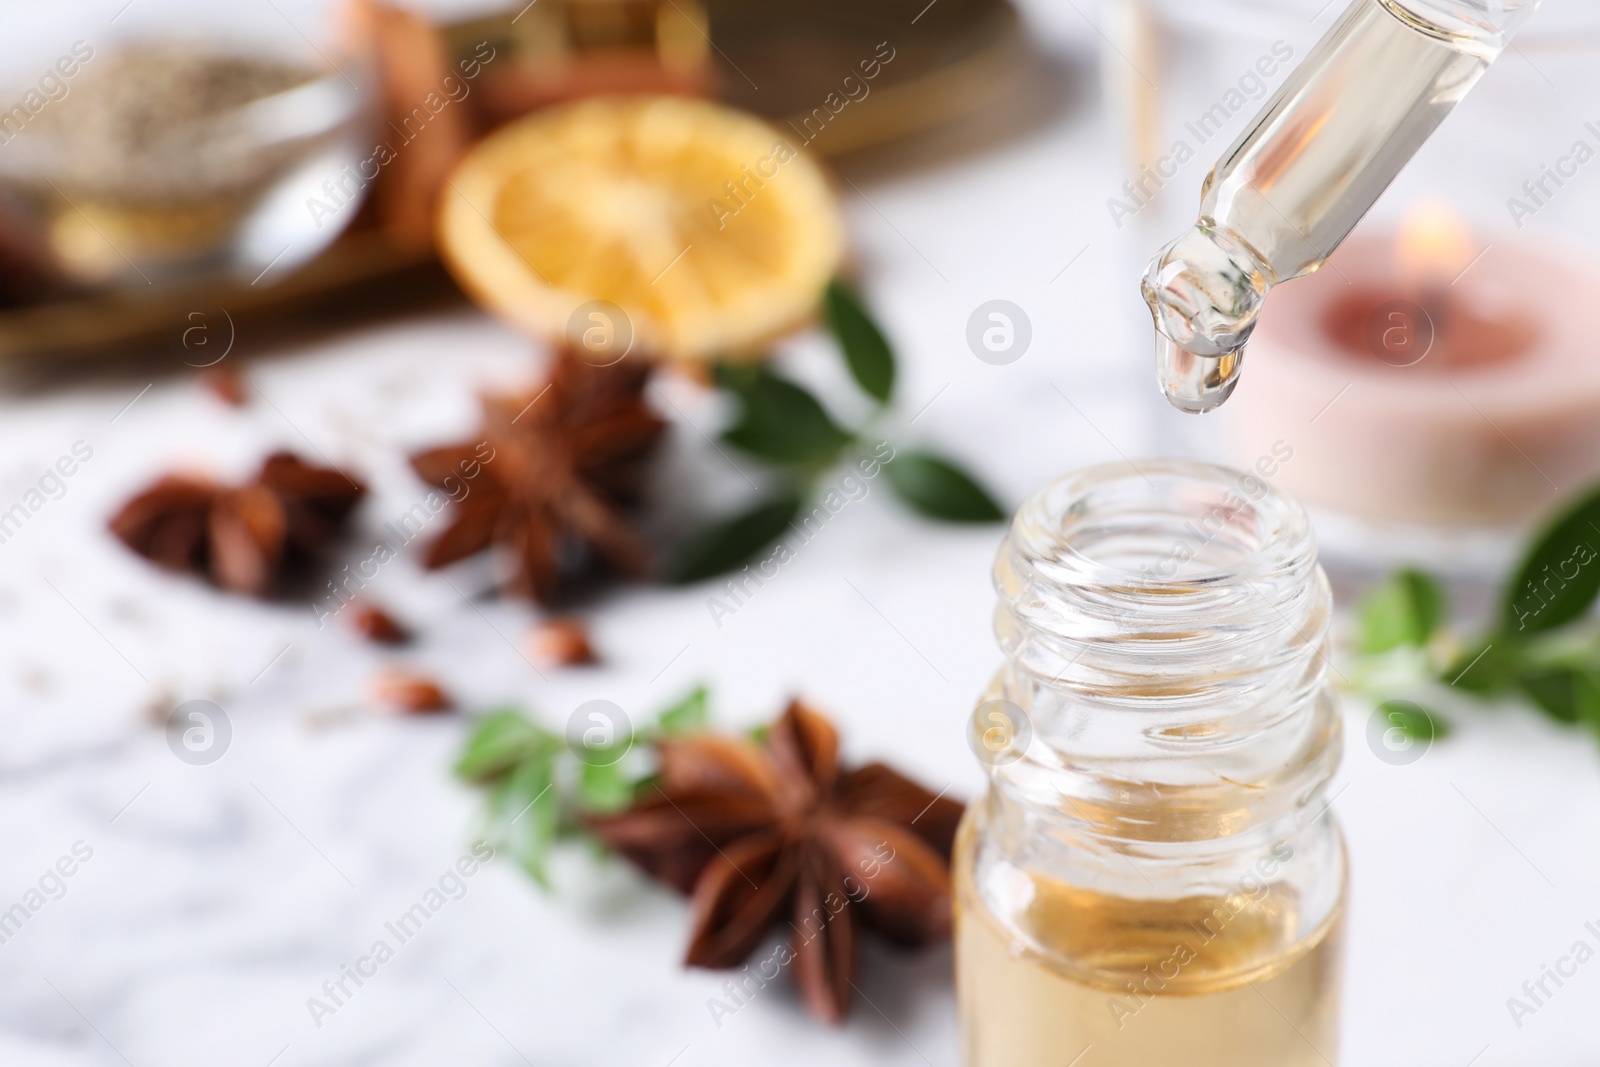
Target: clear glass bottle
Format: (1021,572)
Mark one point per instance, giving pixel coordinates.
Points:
(1153,874)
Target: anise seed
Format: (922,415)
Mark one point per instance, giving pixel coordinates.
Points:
(561,642)
(378,626)
(226,384)
(409,692)
(551,470)
(776,834)
(247,538)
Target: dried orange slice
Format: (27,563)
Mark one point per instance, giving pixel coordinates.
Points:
(705,226)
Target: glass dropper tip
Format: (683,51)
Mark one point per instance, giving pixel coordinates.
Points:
(1193,383)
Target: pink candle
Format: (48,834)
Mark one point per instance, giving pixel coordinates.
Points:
(1434,380)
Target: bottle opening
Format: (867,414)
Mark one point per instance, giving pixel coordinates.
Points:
(1164,523)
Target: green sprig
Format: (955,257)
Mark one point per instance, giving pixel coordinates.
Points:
(1541,649)
(537,791)
(781,423)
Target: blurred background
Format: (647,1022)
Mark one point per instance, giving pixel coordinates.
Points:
(689,265)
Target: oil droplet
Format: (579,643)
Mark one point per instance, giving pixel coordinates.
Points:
(1204,291)
(1192,383)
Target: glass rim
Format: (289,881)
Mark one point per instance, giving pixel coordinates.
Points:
(1281,536)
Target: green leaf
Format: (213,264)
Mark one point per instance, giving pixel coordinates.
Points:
(1484,669)
(1413,721)
(778,420)
(1560,574)
(728,543)
(866,351)
(1404,610)
(689,715)
(526,808)
(502,740)
(604,788)
(940,490)
(1567,694)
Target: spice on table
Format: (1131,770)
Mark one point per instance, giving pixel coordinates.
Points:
(560,642)
(249,538)
(781,836)
(226,383)
(378,626)
(552,469)
(409,691)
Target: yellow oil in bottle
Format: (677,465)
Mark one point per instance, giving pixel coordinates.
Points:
(1090,980)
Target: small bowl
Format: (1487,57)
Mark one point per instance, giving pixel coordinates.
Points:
(113,172)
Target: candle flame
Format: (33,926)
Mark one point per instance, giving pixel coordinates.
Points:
(1434,245)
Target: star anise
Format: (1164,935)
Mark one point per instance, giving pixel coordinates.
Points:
(553,467)
(245,538)
(774,835)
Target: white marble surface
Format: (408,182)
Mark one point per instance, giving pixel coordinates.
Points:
(218,899)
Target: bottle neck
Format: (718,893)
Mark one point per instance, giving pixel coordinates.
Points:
(1165,631)
(1487,25)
